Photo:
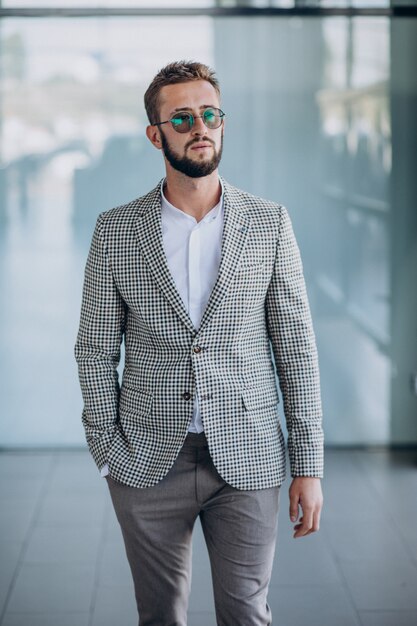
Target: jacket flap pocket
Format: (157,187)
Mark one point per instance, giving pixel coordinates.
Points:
(259,396)
(136,400)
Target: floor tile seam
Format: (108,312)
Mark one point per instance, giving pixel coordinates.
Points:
(39,613)
(405,611)
(343,581)
(408,554)
(325,525)
(306,584)
(352,456)
(390,464)
(30,530)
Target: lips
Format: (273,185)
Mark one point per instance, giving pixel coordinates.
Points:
(200,146)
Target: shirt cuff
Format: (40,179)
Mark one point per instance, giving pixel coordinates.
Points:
(104,470)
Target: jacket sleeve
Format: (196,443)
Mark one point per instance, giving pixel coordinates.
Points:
(97,348)
(290,330)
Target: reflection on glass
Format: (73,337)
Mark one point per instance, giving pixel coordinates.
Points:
(195,4)
(109,3)
(356,166)
(73,145)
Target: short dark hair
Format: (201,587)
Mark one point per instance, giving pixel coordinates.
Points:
(176,72)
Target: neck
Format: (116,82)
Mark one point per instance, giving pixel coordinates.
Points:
(195,196)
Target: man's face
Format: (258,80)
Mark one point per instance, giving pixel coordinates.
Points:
(197,152)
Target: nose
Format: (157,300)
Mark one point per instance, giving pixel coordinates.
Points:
(199,128)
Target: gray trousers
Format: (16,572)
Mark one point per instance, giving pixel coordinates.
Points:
(239,528)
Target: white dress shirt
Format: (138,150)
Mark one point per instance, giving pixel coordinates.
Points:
(193,251)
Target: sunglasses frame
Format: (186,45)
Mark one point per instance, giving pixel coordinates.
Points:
(192,120)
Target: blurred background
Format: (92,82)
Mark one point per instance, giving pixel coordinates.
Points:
(321,103)
(321,117)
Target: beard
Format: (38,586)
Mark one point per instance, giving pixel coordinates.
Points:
(187,166)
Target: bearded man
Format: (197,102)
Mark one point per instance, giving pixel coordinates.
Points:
(199,279)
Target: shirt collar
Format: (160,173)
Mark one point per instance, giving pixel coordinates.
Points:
(209,217)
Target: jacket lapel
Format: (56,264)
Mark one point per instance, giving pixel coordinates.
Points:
(149,235)
(148,228)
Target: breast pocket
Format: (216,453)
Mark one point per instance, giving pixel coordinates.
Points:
(248,267)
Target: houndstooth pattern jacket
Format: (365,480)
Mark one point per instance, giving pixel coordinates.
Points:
(259,300)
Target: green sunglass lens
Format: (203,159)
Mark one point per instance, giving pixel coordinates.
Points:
(210,118)
(182,122)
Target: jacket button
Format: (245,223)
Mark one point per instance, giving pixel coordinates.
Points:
(197,349)
(186,395)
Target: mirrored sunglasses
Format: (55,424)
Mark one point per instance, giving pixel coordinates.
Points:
(182,122)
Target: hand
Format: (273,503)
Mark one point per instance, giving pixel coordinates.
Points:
(306,490)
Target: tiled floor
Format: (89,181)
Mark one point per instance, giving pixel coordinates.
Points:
(62,559)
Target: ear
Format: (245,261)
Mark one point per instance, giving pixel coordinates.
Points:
(152,133)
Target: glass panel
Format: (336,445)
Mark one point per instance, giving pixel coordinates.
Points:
(320,143)
(73,144)
(72,134)
(107,3)
(172,4)
(342,4)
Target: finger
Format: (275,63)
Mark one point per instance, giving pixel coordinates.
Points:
(305,534)
(307,524)
(298,528)
(294,508)
(302,530)
(299,533)
(316,521)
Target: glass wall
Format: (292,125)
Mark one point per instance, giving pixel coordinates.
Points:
(317,94)
(196,4)
(308,125)
(73,144)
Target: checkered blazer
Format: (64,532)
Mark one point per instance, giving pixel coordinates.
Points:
(259,300)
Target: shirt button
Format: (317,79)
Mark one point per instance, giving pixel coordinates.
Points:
(186,395)
(197,349)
